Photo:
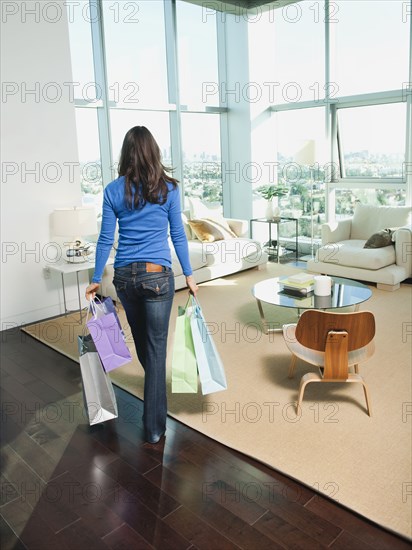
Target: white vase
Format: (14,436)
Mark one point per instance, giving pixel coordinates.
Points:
(272,209)
(269,210)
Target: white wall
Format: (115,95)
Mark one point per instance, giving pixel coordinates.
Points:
(38,133)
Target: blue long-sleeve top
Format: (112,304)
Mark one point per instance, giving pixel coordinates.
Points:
(143,232)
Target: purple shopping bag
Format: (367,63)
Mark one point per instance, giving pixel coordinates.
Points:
(108,338)
(109,307)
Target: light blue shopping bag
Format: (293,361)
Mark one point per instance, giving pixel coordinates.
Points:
(209,364)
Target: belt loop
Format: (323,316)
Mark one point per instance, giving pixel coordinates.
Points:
(134,268)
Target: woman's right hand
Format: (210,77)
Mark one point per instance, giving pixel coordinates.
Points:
(193,288)
(91,291)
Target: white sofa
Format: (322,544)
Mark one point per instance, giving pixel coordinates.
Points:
(343,254)
(209,260)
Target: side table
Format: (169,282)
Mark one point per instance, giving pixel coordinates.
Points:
(278,222)
(65,268)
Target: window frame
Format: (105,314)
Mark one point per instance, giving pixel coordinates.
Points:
(365,100)
(333,105)
(173,108)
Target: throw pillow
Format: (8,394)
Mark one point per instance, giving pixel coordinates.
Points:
(208,231)
(188,229)
(200,211)
(379,239)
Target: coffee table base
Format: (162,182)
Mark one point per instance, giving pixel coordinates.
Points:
(266,325)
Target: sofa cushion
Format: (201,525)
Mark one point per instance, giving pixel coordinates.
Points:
(368,219)
(353,254)
(210,230)
(379,239)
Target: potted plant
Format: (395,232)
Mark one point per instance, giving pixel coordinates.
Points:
(272,193)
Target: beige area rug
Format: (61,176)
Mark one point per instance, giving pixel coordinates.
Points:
(333,446)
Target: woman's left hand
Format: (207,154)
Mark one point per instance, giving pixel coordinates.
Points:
(91,291)
(193,288)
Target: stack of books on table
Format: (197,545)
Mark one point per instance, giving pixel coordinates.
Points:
(300,284)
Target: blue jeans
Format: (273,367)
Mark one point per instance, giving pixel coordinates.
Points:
(147,300)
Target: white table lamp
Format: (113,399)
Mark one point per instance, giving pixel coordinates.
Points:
(73,224)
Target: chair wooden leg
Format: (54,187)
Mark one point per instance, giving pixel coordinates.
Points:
(292,367)
(306,379)
(367,398)
(356,367)
(300,397)
(358,378)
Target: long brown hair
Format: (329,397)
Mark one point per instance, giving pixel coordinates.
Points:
(141,164)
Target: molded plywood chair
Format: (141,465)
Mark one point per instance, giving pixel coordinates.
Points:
(334,342)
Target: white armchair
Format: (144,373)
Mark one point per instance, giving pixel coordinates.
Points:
(343,254)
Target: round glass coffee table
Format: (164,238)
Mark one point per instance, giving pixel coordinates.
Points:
(345,292)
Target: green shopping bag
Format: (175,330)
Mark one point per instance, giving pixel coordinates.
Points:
(184,365)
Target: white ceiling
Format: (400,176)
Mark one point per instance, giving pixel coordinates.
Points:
(236,6)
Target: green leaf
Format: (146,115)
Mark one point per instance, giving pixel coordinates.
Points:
(270,191)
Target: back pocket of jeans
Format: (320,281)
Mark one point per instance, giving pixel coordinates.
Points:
(156,287)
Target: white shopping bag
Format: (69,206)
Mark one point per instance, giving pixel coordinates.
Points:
(99,398)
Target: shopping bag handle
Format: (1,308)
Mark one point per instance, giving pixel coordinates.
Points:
(195,301)
(91,309)
(94,306)
(187,303)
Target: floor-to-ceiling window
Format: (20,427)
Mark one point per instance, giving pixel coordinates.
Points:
(340,78)
(369,58)
(200,125)
(343,74)
(86,93)
(300,79)
(147,63)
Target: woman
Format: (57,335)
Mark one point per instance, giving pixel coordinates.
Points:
(145,202)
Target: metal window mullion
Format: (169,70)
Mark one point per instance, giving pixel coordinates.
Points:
(350,183)
(334,150)
(327,70)
(296,106)
(100,74)
(361,100)
(330,196)
(339,148)
(380,98)
(327,45)
(329,138)
(408,141)
(174,92)
(224,122)
(84,104)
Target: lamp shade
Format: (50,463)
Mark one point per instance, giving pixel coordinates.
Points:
(77,221)
(306,153)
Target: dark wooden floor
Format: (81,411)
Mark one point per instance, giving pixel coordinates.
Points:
(66,485)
